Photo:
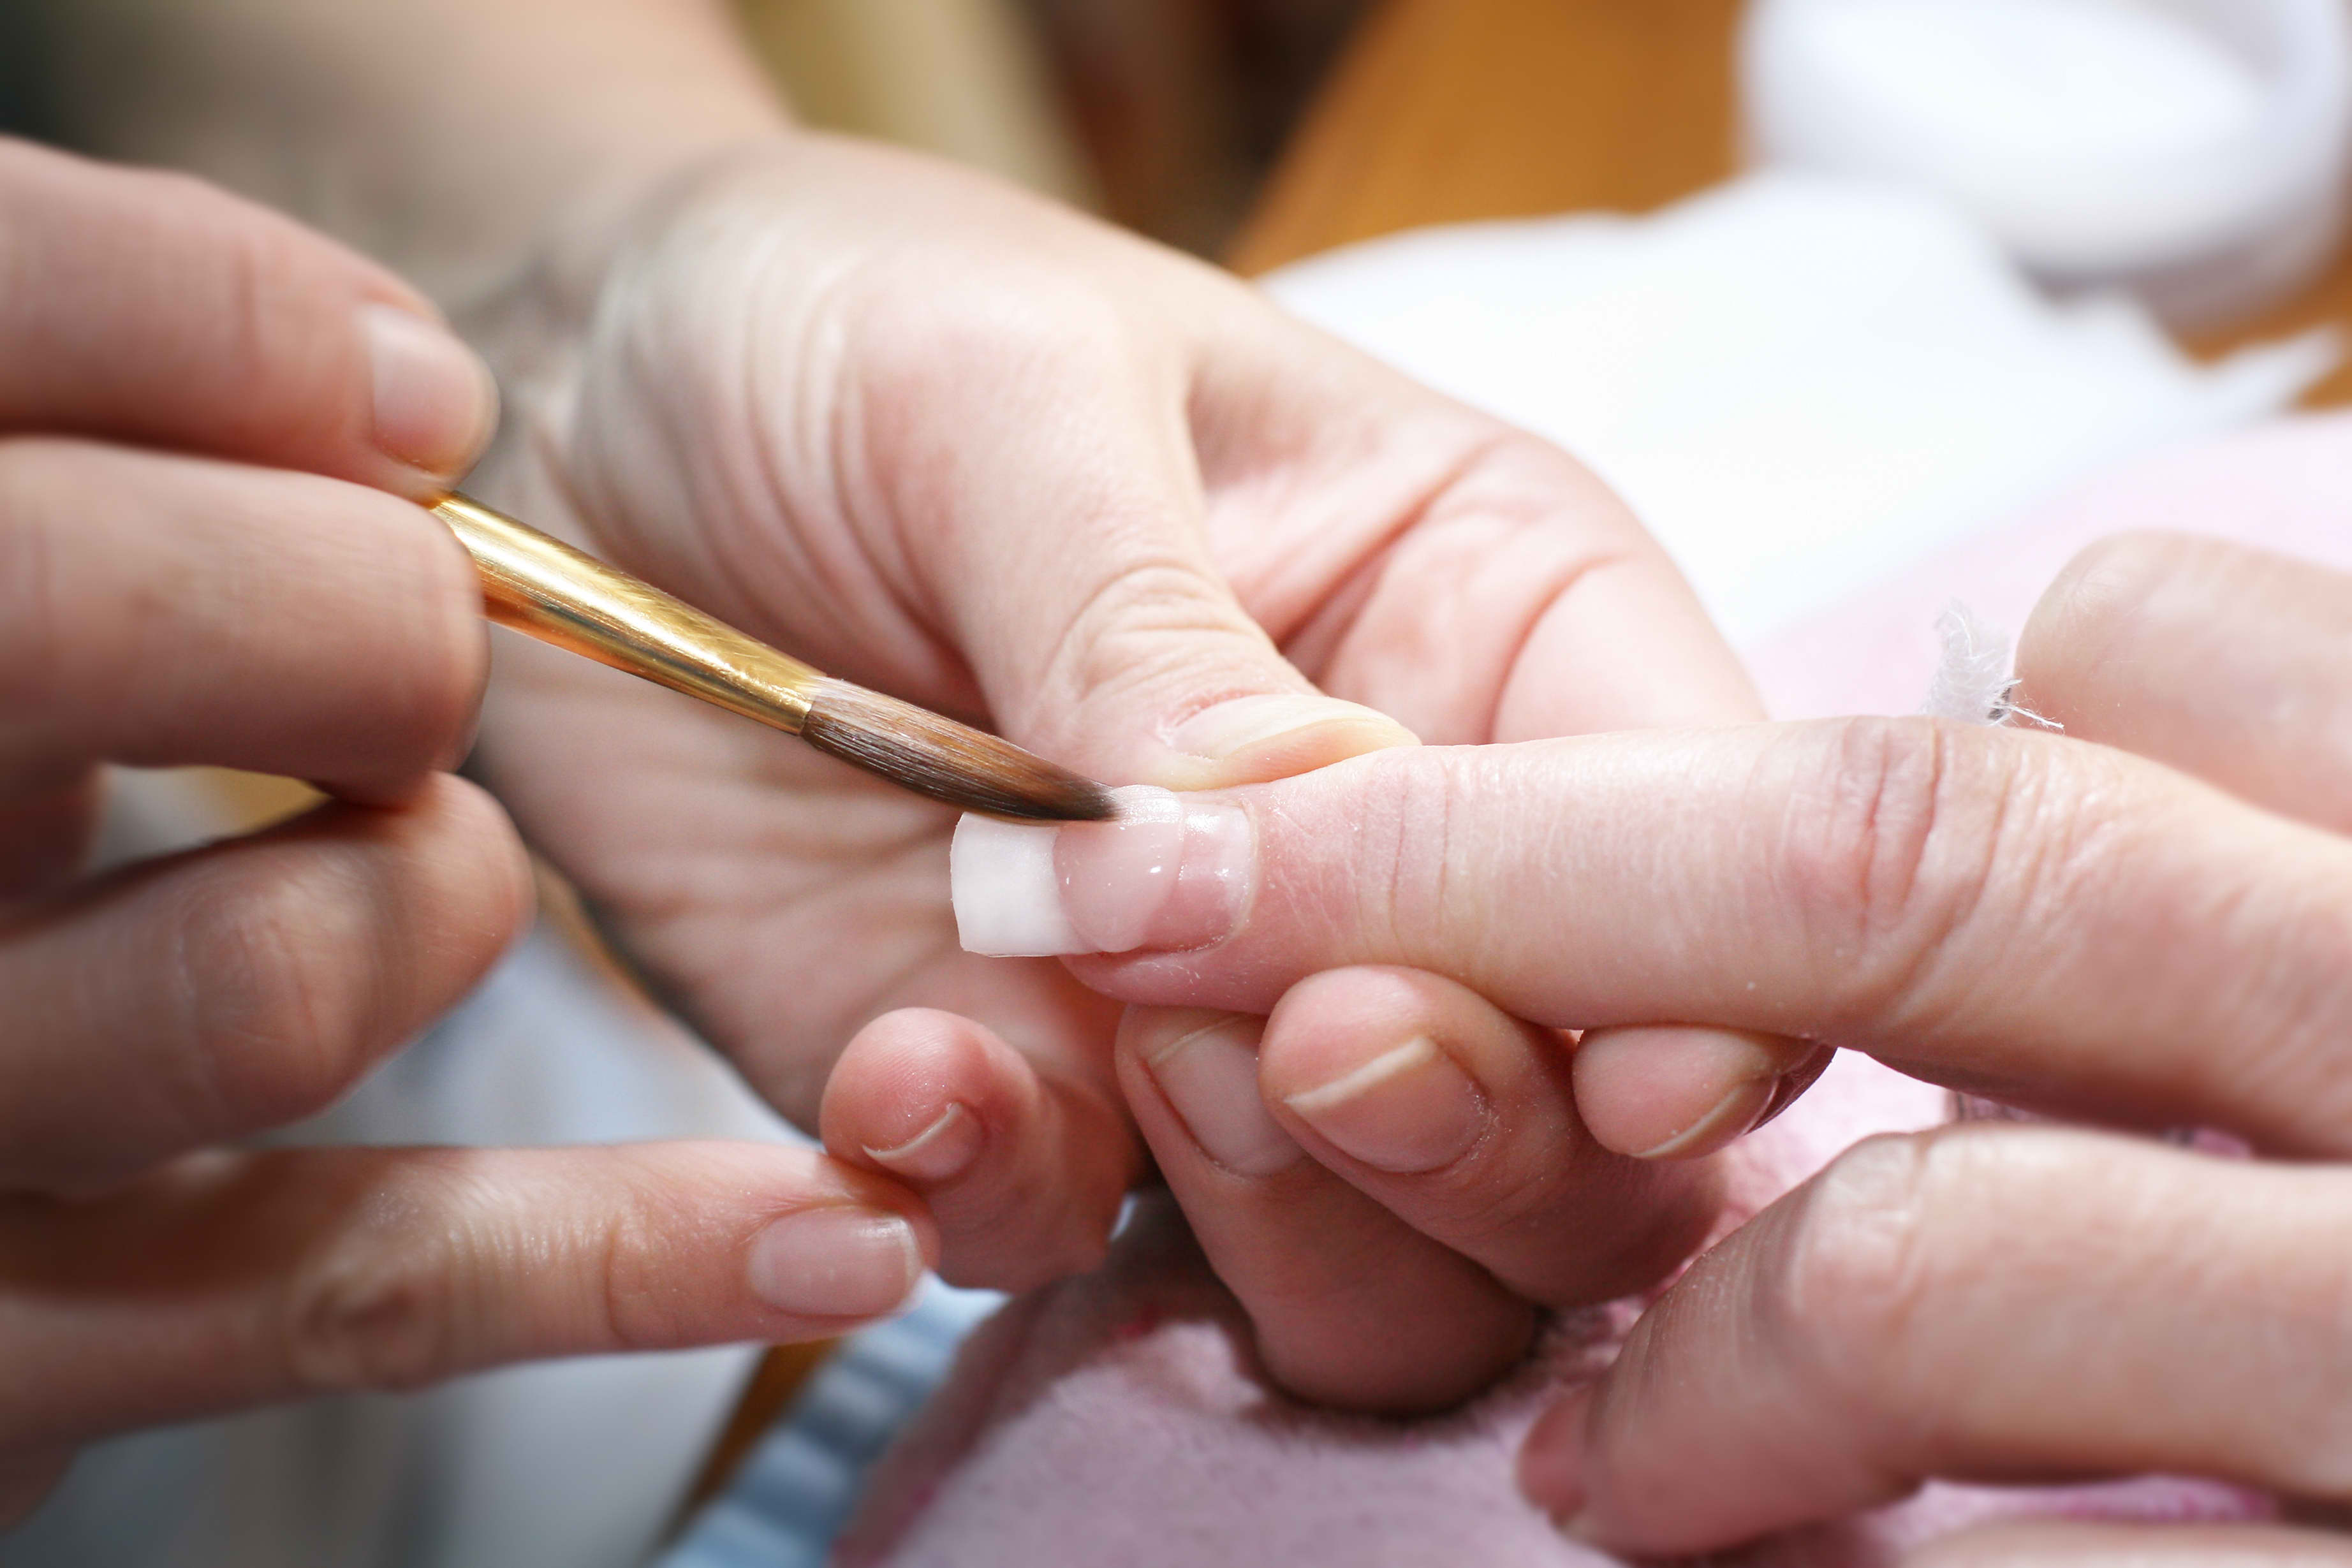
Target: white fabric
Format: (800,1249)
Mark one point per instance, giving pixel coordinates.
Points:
(2195,148)
(1799,384)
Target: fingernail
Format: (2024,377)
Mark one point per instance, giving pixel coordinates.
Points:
(1210,1078)
(837,1262)
(1729,1118)
(1551,1461)
(938,1153)
(434,401)
(1408,1110)
(1281,734)
(1170,873)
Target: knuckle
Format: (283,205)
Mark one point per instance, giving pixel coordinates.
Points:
(273,980)
(1407,884)
(1845,1277)
(379,1305)
(1148,618)
(1888,849)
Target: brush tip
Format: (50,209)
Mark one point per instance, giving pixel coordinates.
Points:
(970,769)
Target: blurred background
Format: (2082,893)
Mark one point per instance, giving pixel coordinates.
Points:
(1165,115)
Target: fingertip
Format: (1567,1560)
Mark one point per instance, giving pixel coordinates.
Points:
(481,847)
(1552,1458)
(1683,1093)
(910,1097)
(1025,1174)
(434,403)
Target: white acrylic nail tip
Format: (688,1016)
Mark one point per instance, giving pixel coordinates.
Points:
(1147,803)
(1007,892)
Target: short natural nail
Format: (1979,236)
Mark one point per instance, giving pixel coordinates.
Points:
(836,1262)
(1408,1110)
(1209,1076)
(434,401)
(1277,734)
(940,1152)
(1740,1109)
(1171,872)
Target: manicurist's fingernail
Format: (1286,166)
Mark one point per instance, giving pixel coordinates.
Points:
(434,401)
(1281,734)
(1171,872)
(1209,1076)
(938,1152)
(1407,1110)
(836,1262)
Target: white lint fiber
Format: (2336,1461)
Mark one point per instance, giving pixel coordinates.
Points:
(1974,684)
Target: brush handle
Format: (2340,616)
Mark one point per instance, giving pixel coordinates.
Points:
(544,588)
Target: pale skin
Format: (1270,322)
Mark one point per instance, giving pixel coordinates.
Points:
(966,455)
(934,434)
(2145,924)
(218,564)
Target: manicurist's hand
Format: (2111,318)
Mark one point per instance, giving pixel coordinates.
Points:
(208,419)
(2145,941)
(958,443)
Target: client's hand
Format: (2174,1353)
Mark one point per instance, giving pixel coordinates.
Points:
(2058,924)
(202,410)
(977,451)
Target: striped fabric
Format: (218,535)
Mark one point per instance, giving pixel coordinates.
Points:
(796,1488)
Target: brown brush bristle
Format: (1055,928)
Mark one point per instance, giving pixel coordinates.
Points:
(916,750)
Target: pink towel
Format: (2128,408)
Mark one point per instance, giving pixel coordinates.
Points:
(1117,1419)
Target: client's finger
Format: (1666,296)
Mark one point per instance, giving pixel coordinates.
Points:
(1025,1172)
(2021,915)
(2223,661)
(158,610)
(146,307)
(2075,1543)
(1675,1093)
(241,985)
(1783,1379)
(1352,1307)
(1457,1119)
(227,1281)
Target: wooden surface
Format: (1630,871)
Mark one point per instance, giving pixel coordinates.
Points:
(1450,110)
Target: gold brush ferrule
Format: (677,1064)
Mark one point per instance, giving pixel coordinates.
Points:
(545,589)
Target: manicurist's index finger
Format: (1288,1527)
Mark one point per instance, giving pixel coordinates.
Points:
(151,309)
(2033,917)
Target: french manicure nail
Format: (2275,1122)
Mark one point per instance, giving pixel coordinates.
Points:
(1210,1078)
(835,1262)
(1278,734)
(1169,872)
(434,401)
(1408,1110)
(939,1153)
